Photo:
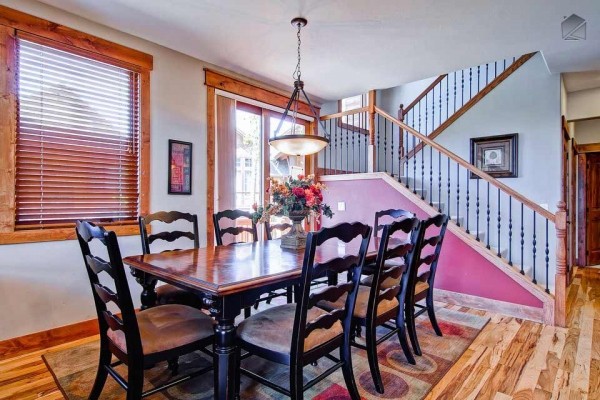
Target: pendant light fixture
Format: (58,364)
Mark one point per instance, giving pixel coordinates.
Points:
(294,143)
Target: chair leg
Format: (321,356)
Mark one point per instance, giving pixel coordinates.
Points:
(101,374)
(371,340)
(135,382)
(246,312)
(238,362)
(401,325)
(412,329)
(296,382)
(431,313)
(174,365)
(289,294)
(347,371)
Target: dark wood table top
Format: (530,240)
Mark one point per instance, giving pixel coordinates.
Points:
(223,270)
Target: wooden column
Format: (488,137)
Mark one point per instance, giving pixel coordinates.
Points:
(371,155)
(8,128)
(560,296)
(210,165)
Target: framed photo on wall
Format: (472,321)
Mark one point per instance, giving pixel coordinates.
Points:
(180,167)
(496,155)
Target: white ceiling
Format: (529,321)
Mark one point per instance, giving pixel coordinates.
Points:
(351,46)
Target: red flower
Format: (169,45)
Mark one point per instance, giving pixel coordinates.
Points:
(310,197)
(298,192)
(255,206)
(301,177)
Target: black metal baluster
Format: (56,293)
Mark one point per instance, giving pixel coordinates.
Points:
(496,72)
(447,96)
(392,150)
(414,167)
(353,135)
(432,110)
(487,232)
(547,258)
(439,181)
(347,147)
(454,91)
(406,160)
(510,234)
(430,176)
(335,152)
(470,82)
(367,139)
(468,184)
(440,113)
(384,145)
(477,210)
(462,88)
(487,73)
(478,73)
(457,194)
(534,247)
(422,172)
(499,254)
(522,243)
(378,143)
(448,197)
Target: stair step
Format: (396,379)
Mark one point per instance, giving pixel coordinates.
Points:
(461,220)
(405,179)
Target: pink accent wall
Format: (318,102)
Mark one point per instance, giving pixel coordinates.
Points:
(460,269)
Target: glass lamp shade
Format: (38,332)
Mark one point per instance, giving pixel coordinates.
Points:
(299,145)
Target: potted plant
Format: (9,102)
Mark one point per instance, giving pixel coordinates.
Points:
(295,199)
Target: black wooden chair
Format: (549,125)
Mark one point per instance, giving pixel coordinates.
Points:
(141,340)
(391,214)
(235,216)
(166,293)
(421,281)
(375,305)
(302,333)
(281,228)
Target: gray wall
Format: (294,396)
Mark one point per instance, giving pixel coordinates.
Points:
(587,131)
(44,285)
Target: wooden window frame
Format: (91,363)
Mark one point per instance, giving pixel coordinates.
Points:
(44,32)
(350,127)
(240,86)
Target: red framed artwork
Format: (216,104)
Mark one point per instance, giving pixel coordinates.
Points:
(180,167)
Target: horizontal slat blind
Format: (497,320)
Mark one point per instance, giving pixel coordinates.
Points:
(77,140)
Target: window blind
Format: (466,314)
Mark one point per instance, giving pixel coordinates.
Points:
(77,139)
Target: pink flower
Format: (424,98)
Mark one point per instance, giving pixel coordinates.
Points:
(255,206)
(301,177)
(298,192)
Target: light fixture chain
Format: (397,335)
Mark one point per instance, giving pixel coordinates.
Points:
(297,74)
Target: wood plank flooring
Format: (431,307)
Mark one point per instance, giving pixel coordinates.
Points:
(510,359)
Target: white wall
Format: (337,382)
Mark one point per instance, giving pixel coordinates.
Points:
(587,131)
(583,104)
(44,285)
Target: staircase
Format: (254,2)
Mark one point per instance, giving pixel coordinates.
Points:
(517,235)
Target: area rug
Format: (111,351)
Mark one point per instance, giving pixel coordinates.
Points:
(74,369)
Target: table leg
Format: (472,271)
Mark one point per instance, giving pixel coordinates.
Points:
(148,283)
(225,360)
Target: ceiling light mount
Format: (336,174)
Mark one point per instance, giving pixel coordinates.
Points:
(293,143)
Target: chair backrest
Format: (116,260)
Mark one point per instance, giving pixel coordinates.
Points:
(234,216)
(390,250)
(114,272)
(429,245)
(349,263)
(281,228)
(391,213)
(167,217)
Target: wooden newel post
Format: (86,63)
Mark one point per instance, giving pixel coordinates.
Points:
(560,296)
(371,158)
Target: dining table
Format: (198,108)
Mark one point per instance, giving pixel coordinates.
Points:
(229,279)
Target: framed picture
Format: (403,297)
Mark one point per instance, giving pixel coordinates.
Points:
(180,167)
(495,155)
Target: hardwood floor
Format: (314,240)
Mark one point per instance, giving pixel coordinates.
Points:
(510,359)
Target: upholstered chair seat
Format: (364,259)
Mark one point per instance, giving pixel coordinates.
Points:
(272,329)
(170,294)
(167,327)
(421,287)
(386,283)
(362,301)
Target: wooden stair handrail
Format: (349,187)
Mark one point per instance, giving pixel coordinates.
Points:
(344,113)
(423,94)
(511,192)
(473,100)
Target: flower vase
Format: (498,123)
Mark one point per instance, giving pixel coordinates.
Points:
(296,237)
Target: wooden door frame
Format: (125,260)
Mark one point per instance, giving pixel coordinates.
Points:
(583,151)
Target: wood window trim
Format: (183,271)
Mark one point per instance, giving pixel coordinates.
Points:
(36,29)
(216,80)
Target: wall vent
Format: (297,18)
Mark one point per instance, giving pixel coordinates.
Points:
(573,28)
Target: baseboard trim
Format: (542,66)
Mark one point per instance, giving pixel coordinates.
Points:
(495,306)
(52,337)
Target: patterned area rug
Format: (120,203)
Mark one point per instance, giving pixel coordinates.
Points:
(74,369)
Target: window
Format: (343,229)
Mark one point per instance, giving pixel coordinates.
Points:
(75,142)
(77,139)
(355,122)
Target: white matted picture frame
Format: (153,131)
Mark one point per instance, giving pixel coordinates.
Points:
(497,156)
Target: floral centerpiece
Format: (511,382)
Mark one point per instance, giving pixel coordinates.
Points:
(296,199)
